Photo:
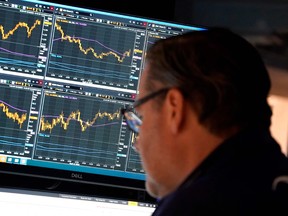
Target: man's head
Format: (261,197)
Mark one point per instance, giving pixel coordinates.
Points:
(220,73)
(215,85)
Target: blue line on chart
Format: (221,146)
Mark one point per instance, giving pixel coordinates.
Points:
(89,153)
(17,62)
(73,148)
(11,143)
(63,67)
(71,66)
(134,159)
(14,138)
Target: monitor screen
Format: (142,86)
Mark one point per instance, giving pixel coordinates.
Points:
(65,73)
(36,202)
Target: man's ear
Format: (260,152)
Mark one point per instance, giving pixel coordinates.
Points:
(175,109)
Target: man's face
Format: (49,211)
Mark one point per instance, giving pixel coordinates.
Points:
(151,142)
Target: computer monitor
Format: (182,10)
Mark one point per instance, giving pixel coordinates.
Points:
(65,73)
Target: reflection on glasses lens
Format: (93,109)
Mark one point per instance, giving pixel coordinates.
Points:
(134,142)
(133,121)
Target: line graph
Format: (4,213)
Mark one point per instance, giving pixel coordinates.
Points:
(29,29)
(85,51)
(18,118)
(14,112)
(19,39)
(64,122)
(79,129)
(78,40)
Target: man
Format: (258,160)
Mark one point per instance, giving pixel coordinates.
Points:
(203,127)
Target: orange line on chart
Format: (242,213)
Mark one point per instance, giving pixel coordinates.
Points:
(90,49)
(64,122)
(15,116)
(19,25)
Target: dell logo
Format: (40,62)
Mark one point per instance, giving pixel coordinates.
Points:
(76,175)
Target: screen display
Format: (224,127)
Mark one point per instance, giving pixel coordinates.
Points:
(65,73)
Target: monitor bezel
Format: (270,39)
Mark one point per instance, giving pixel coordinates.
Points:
(72,176)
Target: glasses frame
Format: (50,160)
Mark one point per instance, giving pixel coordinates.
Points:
(133,120)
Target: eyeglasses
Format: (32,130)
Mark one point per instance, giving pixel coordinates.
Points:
(133,120)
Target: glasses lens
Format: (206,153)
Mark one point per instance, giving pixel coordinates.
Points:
(133,121)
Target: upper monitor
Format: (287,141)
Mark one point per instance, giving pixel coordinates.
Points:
(65,73)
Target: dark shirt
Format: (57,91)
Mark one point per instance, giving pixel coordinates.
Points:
(236,179)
